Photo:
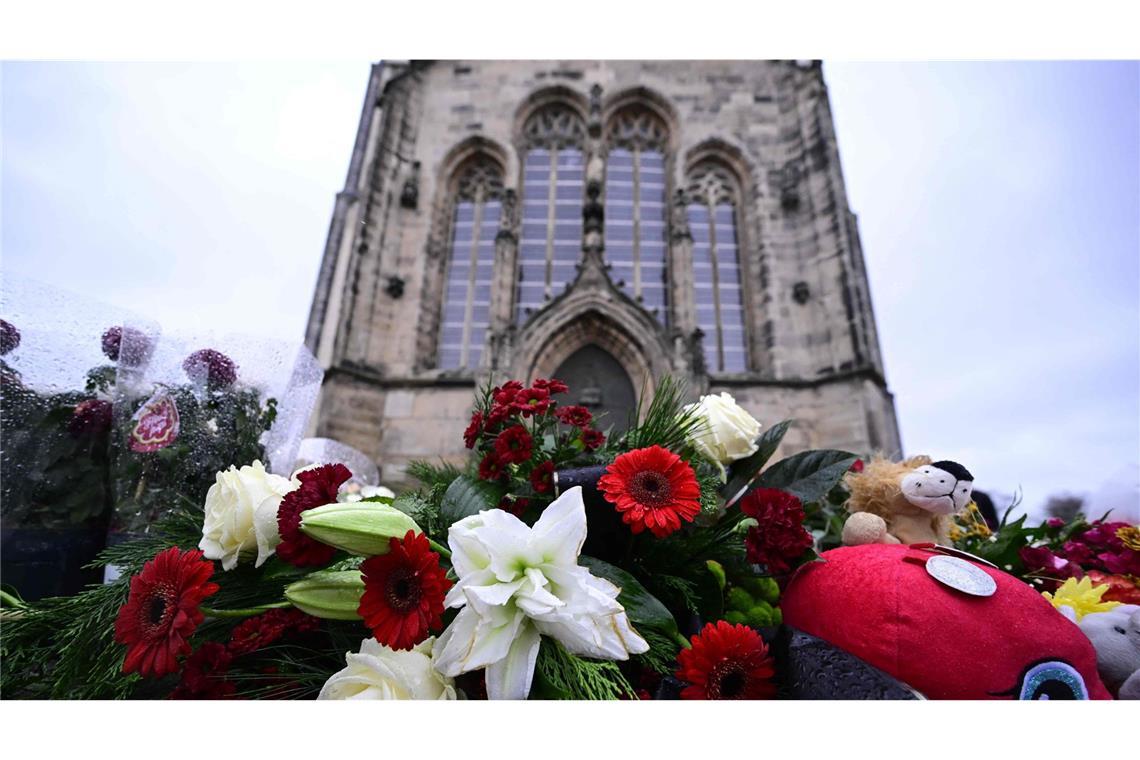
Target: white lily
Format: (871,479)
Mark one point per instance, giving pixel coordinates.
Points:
(516,583)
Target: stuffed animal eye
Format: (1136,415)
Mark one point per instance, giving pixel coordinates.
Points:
(1053,680)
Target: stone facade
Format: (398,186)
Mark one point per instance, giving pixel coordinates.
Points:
(763,128)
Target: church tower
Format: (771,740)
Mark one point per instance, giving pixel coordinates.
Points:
(604,222)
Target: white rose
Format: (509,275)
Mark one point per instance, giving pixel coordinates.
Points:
(728,433)
(378,672)
(241,514)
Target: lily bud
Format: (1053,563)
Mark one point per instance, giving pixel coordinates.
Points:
(327,594)
(360,527)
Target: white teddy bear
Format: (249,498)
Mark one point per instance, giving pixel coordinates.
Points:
(1115,635)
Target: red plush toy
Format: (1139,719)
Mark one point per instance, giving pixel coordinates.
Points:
(947,627)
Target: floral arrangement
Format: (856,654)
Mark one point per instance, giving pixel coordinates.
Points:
(559,563)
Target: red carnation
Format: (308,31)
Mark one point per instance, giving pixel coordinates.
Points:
(262,630)
(403,592)
(491,467)
(593,439)
(473,431)
(514,445)
(727,662)
(578,416)
(531,401)
(204,676)
(542,477)
(91,417)
(217,369)
(857,465)
(780,538)
(162,612)
(551,386)
(652,488)
(319,486)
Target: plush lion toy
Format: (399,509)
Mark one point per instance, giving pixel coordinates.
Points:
(905,502)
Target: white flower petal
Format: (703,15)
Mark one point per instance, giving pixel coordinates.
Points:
(561,530)
(511,677)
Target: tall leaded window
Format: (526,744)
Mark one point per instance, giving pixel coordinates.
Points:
(551,242)
(716,268)
(636,208)
(467,293)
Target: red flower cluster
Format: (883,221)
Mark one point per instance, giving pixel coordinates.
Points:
(652,488)
(319,486)
(161,612)
(403,592)
(9,337)
(1100,547)
(510,428)
(262,630)
(727,662)
(204,675)
(779,539)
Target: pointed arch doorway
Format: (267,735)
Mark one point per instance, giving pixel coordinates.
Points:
(599,382)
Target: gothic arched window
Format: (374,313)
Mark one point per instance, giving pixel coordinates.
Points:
(636,207)
(477,203)
(712,207)
(551,241)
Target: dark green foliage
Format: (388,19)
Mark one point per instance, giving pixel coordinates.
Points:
(561,675)
(467,496)
(665,424)
(809,475)
(643,609)
(424,512)
(662,655)
(432,475)
(744,471)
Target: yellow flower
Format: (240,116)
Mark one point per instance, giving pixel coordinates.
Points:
(1082,596)
(1130,535)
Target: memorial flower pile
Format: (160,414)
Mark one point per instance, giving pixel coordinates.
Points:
(568,558)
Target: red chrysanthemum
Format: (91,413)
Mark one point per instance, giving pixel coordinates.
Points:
(652,488)
(505,394)
(532,401)
(779,539)
(578,416)
(473,431)
(491,467)
(542,477)
(727,662)
(9,337)
(319,486)
(514,504)
(403,592)
(162,612)
(514,445)
(551,386)
(262,630)
(204,676)
(593,439)
(217,369)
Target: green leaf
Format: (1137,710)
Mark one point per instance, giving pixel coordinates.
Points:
(467,496)
(742,473)
(642,607)
(808,475)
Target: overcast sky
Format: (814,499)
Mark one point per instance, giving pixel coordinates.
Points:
(999,207)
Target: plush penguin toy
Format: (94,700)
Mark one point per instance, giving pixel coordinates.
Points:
(905,502)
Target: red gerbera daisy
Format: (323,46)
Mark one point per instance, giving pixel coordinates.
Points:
(542,477)
(652,488)
(162,612)
(473,431)
(514,445)
(779,539)
(403,592)
(319,486)
(593,439)
(727,662)
(578,416)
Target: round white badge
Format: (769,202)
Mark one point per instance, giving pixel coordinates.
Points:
(960,575)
